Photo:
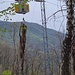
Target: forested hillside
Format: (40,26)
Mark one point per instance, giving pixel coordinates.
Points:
(34,33)
(34,46)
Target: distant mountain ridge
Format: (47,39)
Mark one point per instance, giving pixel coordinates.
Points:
(34,33)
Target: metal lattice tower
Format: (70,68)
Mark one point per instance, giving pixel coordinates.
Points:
(45,37)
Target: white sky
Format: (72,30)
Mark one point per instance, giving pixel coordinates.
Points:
(35,14)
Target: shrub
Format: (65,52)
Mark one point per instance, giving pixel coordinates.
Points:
(6,72)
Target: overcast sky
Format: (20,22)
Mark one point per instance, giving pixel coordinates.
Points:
(35,14)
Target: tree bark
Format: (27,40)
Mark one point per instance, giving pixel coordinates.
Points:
(68,39)
(22,35)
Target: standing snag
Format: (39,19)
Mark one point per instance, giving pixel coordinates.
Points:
(22,35)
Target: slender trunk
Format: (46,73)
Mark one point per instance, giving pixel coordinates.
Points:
(26,69)
(51,68)
(32,73)
(14,41)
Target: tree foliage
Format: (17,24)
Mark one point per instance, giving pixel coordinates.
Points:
(6,72)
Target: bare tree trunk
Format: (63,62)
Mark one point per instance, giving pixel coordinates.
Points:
(26,69)
(17,66)
(68,39)
(32,69)
(22,35)
(14,42)
(73,50)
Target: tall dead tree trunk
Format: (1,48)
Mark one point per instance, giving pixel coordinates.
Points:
(22,35)
(68,39)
